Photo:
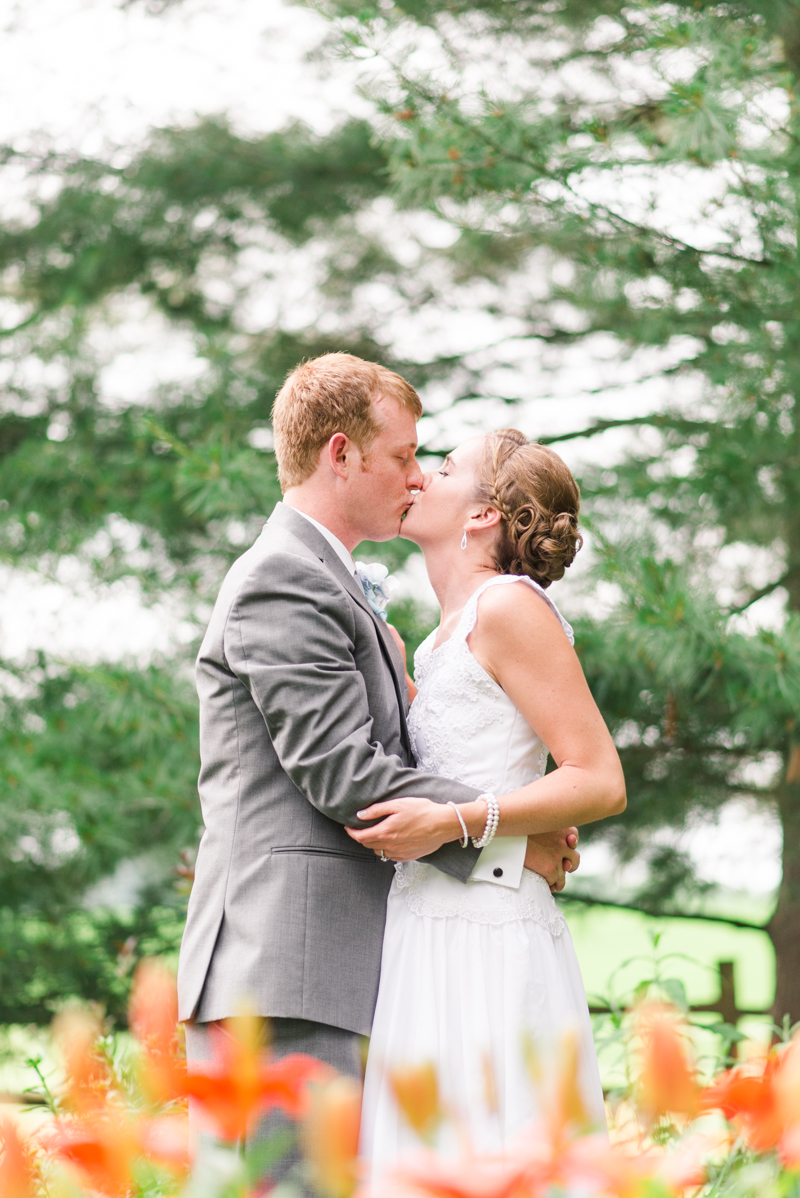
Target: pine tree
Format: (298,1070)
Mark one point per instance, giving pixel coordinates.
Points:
(630,171)
(554,140)
(98,763)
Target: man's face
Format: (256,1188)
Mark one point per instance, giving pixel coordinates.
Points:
(380,485)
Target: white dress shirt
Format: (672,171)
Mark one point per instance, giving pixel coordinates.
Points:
(344,554)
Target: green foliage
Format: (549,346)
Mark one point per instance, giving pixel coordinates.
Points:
(98,767)
(173,227)
(626,176)
(190,230)
(613,175)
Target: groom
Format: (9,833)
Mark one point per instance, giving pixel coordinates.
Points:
(303,708)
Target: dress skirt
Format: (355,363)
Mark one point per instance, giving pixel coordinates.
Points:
(491,1004)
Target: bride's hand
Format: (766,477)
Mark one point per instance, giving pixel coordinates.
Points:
(401,645)
(553,855)
(398,640)
(410,828)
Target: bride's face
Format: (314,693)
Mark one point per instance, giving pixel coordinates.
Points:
(441,510)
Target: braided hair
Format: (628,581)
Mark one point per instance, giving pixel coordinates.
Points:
(538,501)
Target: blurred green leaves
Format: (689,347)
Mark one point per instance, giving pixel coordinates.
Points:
(626,176)
(555,141)
(98,767)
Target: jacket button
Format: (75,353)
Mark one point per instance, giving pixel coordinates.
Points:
(497,871)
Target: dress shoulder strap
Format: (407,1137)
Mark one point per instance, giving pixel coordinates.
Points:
(470,612)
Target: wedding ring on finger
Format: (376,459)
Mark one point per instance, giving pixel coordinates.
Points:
(383,856)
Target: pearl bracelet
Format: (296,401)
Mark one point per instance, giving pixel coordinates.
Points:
(492,820)
(465,842)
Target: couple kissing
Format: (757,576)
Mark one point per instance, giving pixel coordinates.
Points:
(379,855)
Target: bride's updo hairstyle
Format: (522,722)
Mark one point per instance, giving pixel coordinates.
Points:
(538,501)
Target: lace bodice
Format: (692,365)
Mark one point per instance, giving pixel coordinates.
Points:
(464,726)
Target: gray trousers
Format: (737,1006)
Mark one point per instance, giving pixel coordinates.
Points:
(336,1047)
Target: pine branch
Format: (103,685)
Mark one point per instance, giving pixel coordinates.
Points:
(645,378)
(759,594)
(593,206)
(654,421)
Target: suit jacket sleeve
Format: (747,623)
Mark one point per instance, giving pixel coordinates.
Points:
(290,639)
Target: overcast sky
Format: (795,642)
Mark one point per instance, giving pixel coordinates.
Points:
(91,72)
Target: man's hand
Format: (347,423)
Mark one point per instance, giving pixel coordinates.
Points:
(553,855)
(409,828)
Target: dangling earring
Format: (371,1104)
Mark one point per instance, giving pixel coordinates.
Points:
(464,540)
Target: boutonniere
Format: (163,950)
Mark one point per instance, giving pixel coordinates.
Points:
(377,583)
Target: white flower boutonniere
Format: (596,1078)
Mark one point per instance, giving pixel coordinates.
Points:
(377,583)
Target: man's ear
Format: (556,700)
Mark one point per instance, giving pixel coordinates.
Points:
(339,449)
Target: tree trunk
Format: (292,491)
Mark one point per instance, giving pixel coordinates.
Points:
(784,927)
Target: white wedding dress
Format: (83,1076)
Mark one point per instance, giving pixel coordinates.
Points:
(475,978)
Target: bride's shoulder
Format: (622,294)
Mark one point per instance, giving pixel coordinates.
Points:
(521,603)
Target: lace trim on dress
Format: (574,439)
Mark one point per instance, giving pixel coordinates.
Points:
(509,905)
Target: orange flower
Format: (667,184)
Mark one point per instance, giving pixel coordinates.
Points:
(416,1091)
(102,1147)
(153,1018)
(240,1083)
(166,1141)
(567,1109)
(787,1092)
(747,1096)
(90,1081)
(666,1081)
(16,1167)
(481,1178)
(329,1136)
(586,1164)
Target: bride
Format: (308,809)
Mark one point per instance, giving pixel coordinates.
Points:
(471,973)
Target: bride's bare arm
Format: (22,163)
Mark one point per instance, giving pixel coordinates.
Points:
(518,640)
(522,645)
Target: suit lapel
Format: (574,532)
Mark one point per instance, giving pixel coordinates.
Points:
(314,540)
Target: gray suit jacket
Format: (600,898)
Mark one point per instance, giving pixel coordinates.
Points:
(302,723)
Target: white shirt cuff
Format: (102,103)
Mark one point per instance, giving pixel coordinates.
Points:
(501,862)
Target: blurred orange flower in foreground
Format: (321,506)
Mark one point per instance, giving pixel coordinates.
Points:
(667,1080)
(539,1168)
(329,1135)
(240,1083)
(16,1167)
(90,1082)
(565,1110)
(762,1097)
(416,1092)
(102,1147)
(153,1018)
(746,1096)
(234,1089)
(110,1141)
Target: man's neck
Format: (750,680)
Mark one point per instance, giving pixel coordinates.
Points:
(322,509)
